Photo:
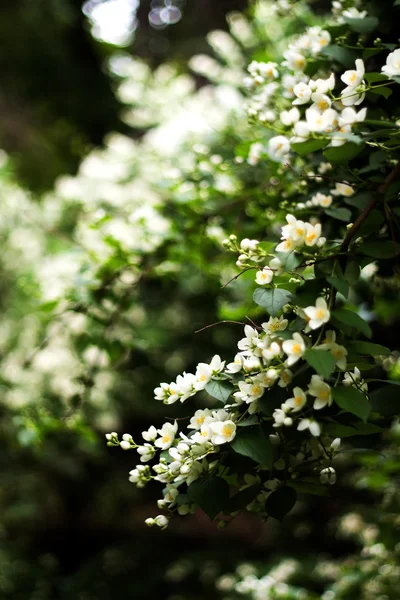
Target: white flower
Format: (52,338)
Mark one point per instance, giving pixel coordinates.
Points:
(160,521)
(328,475)
(203,376)
(294,230)
(264,276)
(199,417)
(324,122)
(249,245)
(338,352)
(268,378)
(353,78)
(286,377)
(301,131)
(321,391)
(321,200)
(294,60)
(274,325)
(322,86)
(217,364)
(321,101)
(313,234)
(278,148)
(125,445)
(303,92)
(150,435)
(342,189)
(249,343)
(354,13)
(313,426)
(294,348)
(354,379)
(223,431)
(318,314)
(392,67)
(289,117)
(298,401)
(146,452)
(256,151)
(280,416)
(276,266)
(167,433)
(205,433)
(249,392)
(236,365)
(288,83)
(286,246)
(349,116)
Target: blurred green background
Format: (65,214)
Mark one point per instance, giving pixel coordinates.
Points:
(71,525)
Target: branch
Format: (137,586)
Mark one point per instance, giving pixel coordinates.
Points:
(393,175)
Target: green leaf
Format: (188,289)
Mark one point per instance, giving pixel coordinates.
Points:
(220,390)
(272,299)
(340,213)
(342,154)
(343,431)
(309,487)
(386,400)
(353,401)
(352,272)
(344,56)
(242,499)
(381,91)
(254,442)
(211,493)
(373,78)
(365,25)
(383,249)
(368,348)
(321,361)
(280,502)
(352,319)
(309,146)
(340,285)
(290,260)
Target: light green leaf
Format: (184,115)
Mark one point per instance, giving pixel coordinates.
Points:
(272,299)
(321,361)
(352,319)
(254,442)
(365,25)
(309,146)
(353,401)
(211,493)
(219,389)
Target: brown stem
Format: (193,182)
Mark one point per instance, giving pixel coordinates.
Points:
(370,206)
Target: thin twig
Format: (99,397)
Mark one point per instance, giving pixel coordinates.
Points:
(219,323)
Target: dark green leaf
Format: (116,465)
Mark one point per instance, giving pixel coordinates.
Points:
(373,78)
(340,285)
(272,299)
(386,400)
(211,493)
(365,25)
(381,91)
(340,213)
(321,361)
(353,401)
(352,272)
(309,146)
(221,390)
(254,442)
(242,499)
(342,154)
(368,348)
(344,56)
(383,249)
(353,320)
(309,487)
(290,260)
(280,502)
